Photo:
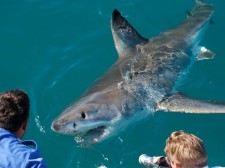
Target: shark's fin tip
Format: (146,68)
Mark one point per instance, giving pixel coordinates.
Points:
(205,54)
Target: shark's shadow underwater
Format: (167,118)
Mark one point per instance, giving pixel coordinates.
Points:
(145,75)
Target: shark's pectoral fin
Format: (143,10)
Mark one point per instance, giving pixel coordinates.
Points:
(125,36)
(204,53)
(181,103)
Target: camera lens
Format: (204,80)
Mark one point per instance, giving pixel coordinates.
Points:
(147,161)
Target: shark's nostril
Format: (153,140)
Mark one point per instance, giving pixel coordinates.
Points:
(74,125)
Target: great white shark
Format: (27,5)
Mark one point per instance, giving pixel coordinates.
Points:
(145,75)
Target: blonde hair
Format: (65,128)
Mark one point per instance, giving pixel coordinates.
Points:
(186,149)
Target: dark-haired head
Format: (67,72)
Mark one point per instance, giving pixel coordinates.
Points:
(14,109)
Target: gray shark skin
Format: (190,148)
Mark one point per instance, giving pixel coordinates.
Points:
(144,77)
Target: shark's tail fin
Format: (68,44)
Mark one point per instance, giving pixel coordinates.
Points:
(199,2)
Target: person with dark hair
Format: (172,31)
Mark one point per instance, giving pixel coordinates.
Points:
(14,114)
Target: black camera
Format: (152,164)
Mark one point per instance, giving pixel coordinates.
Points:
(148,162)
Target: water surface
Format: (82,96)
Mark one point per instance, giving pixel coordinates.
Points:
(56,49)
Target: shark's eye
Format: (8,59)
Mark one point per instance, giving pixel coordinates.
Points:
(83,115)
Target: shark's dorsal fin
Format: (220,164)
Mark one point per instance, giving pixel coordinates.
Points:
(125,36)
(179,102)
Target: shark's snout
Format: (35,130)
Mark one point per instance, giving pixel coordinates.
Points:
(64,127)
(55,126)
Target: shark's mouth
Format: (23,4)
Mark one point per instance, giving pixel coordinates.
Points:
(92,136)
(97,130)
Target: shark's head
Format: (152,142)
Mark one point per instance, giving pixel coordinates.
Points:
(91,114)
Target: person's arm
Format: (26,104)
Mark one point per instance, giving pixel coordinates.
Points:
(35,160)
(153,162)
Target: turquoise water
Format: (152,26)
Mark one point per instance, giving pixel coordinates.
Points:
(56,49)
